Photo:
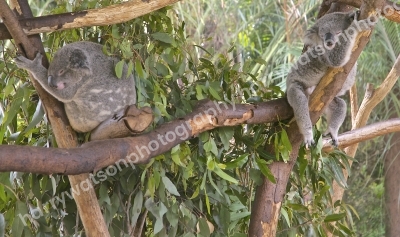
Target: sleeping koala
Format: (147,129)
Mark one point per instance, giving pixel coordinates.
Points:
(84,79)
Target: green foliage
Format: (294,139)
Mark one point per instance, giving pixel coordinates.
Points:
(199,183)
(233,53)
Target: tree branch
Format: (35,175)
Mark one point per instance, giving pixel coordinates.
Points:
(110,15)
(364,134)
(96,155)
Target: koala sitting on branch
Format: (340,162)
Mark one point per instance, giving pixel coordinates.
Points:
(83,78)
(330,42)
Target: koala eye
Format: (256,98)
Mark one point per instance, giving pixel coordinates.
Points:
(353,16)
(61,72)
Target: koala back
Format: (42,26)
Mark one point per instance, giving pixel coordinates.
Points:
(87,76)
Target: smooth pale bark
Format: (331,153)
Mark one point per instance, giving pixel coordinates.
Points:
(365,133)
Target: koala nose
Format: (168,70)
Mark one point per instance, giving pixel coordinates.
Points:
(50,82)
(329,41)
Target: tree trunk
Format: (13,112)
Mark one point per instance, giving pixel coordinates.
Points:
(392,187)
(268,202)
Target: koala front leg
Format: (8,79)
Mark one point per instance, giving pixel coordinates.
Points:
(335,115)
(298,100)
(35,67)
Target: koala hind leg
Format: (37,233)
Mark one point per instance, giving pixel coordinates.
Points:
(335,115)
(298,100)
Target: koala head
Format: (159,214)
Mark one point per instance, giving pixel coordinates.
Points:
(327,29)
(69,67)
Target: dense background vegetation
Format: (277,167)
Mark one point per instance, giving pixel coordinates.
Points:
(237,52)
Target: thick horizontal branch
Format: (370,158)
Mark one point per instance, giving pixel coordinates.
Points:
(96,155)
(96,17)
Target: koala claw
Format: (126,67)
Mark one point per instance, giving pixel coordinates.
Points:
(335,141)
(25,63)
(309,143)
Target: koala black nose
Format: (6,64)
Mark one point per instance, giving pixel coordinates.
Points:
(328,37)
(50,82)
(329,40)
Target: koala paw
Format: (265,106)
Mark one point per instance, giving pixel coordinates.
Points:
(335,141)
(309,142)
(27,64)
(137,120)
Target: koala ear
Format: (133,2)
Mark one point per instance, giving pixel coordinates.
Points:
(79,61)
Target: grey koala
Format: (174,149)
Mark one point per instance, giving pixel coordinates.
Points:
(330,42)
(84,79)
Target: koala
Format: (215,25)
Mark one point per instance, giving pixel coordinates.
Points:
(329,42)
(84,79)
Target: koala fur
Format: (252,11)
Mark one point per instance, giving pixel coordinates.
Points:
(329,42)
(84,79)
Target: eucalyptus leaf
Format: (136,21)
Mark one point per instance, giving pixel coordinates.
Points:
(240,215)
(207,203)
(19,220)
(334,217)
(224,175)
(137,207)
(170,186)
(15,105)
(163,37)
(286,216)
(262,165)
(226,134)
(119,67)
(214,93)
(203,228)
(238,162)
